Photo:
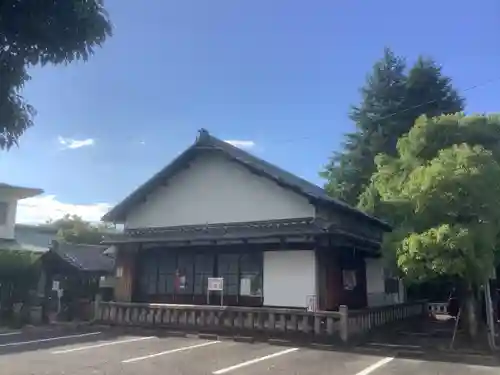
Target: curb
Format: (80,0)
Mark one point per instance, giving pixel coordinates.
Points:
(208,336)
(280,342)
(246,339)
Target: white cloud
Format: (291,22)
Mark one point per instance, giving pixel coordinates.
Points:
(74,143)
(241,144)
(42,208)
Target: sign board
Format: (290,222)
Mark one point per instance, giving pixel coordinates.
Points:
(55,285)
(215,284)
(312,303)
(119,272)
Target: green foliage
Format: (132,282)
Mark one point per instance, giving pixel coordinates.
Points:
(73,229)
(15,264)
(392,99)
(19,272)
(36,32)
(443,191)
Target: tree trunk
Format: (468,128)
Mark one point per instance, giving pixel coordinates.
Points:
(471,312)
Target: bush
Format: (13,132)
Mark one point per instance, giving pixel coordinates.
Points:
(19,272)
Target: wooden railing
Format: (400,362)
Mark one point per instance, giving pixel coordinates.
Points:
(275,322)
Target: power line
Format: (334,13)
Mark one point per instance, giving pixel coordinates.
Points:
(492,80)
(435,100)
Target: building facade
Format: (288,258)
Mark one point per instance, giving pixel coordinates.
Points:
(218,211)
(9,197)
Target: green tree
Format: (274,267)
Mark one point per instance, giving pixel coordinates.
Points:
(443,189)
(19,272)
(73,229)
(392,99)
(36,33)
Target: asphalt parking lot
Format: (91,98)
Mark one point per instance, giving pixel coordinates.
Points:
(99,352)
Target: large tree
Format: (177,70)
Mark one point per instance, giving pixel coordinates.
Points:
(34,32)
(392,99)
(73,229)
(443,190)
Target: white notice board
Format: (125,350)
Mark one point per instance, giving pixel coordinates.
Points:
(215,284)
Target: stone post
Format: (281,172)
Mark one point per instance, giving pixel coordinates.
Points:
(97,306)
(344,322)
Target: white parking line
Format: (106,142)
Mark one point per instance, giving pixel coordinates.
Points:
(10,333)
(255,360)
(107,343)
(375,366)
(48,339)
(184,348)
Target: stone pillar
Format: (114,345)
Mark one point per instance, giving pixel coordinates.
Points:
(344,323)
(124,273)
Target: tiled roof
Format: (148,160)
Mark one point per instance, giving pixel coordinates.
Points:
(234,231)
(84,257)
(207,142)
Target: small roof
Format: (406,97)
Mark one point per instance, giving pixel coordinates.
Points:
(20,191)
(204,142)
(84,257)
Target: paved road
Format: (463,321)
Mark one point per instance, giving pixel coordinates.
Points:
(91,352)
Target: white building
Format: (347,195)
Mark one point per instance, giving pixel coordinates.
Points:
(275,239)
(9,197)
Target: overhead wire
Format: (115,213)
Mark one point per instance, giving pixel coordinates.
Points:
(473,87)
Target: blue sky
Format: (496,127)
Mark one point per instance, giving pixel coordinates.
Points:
(279,73)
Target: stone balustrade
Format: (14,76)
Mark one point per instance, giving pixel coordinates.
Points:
(254,321)
(363,321)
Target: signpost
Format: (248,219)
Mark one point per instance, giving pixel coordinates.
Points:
(312,303)
(57,288)
(215,284)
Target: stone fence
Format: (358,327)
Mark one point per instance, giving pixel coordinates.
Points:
(272,322)
(363,321)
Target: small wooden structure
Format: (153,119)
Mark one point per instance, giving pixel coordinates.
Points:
(71,275)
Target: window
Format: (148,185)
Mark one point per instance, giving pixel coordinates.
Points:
(391,285)
(166,273)
(228,269)
(349,279)
(251,275)
(203,269)
(4,210)
(148,278)
(185,274)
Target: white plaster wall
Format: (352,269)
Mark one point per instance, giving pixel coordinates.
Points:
(7,230)
(374,275)
(216,190)
(289,277)
(375,285)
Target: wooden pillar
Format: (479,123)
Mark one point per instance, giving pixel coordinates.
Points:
(124,273)
(334,275)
